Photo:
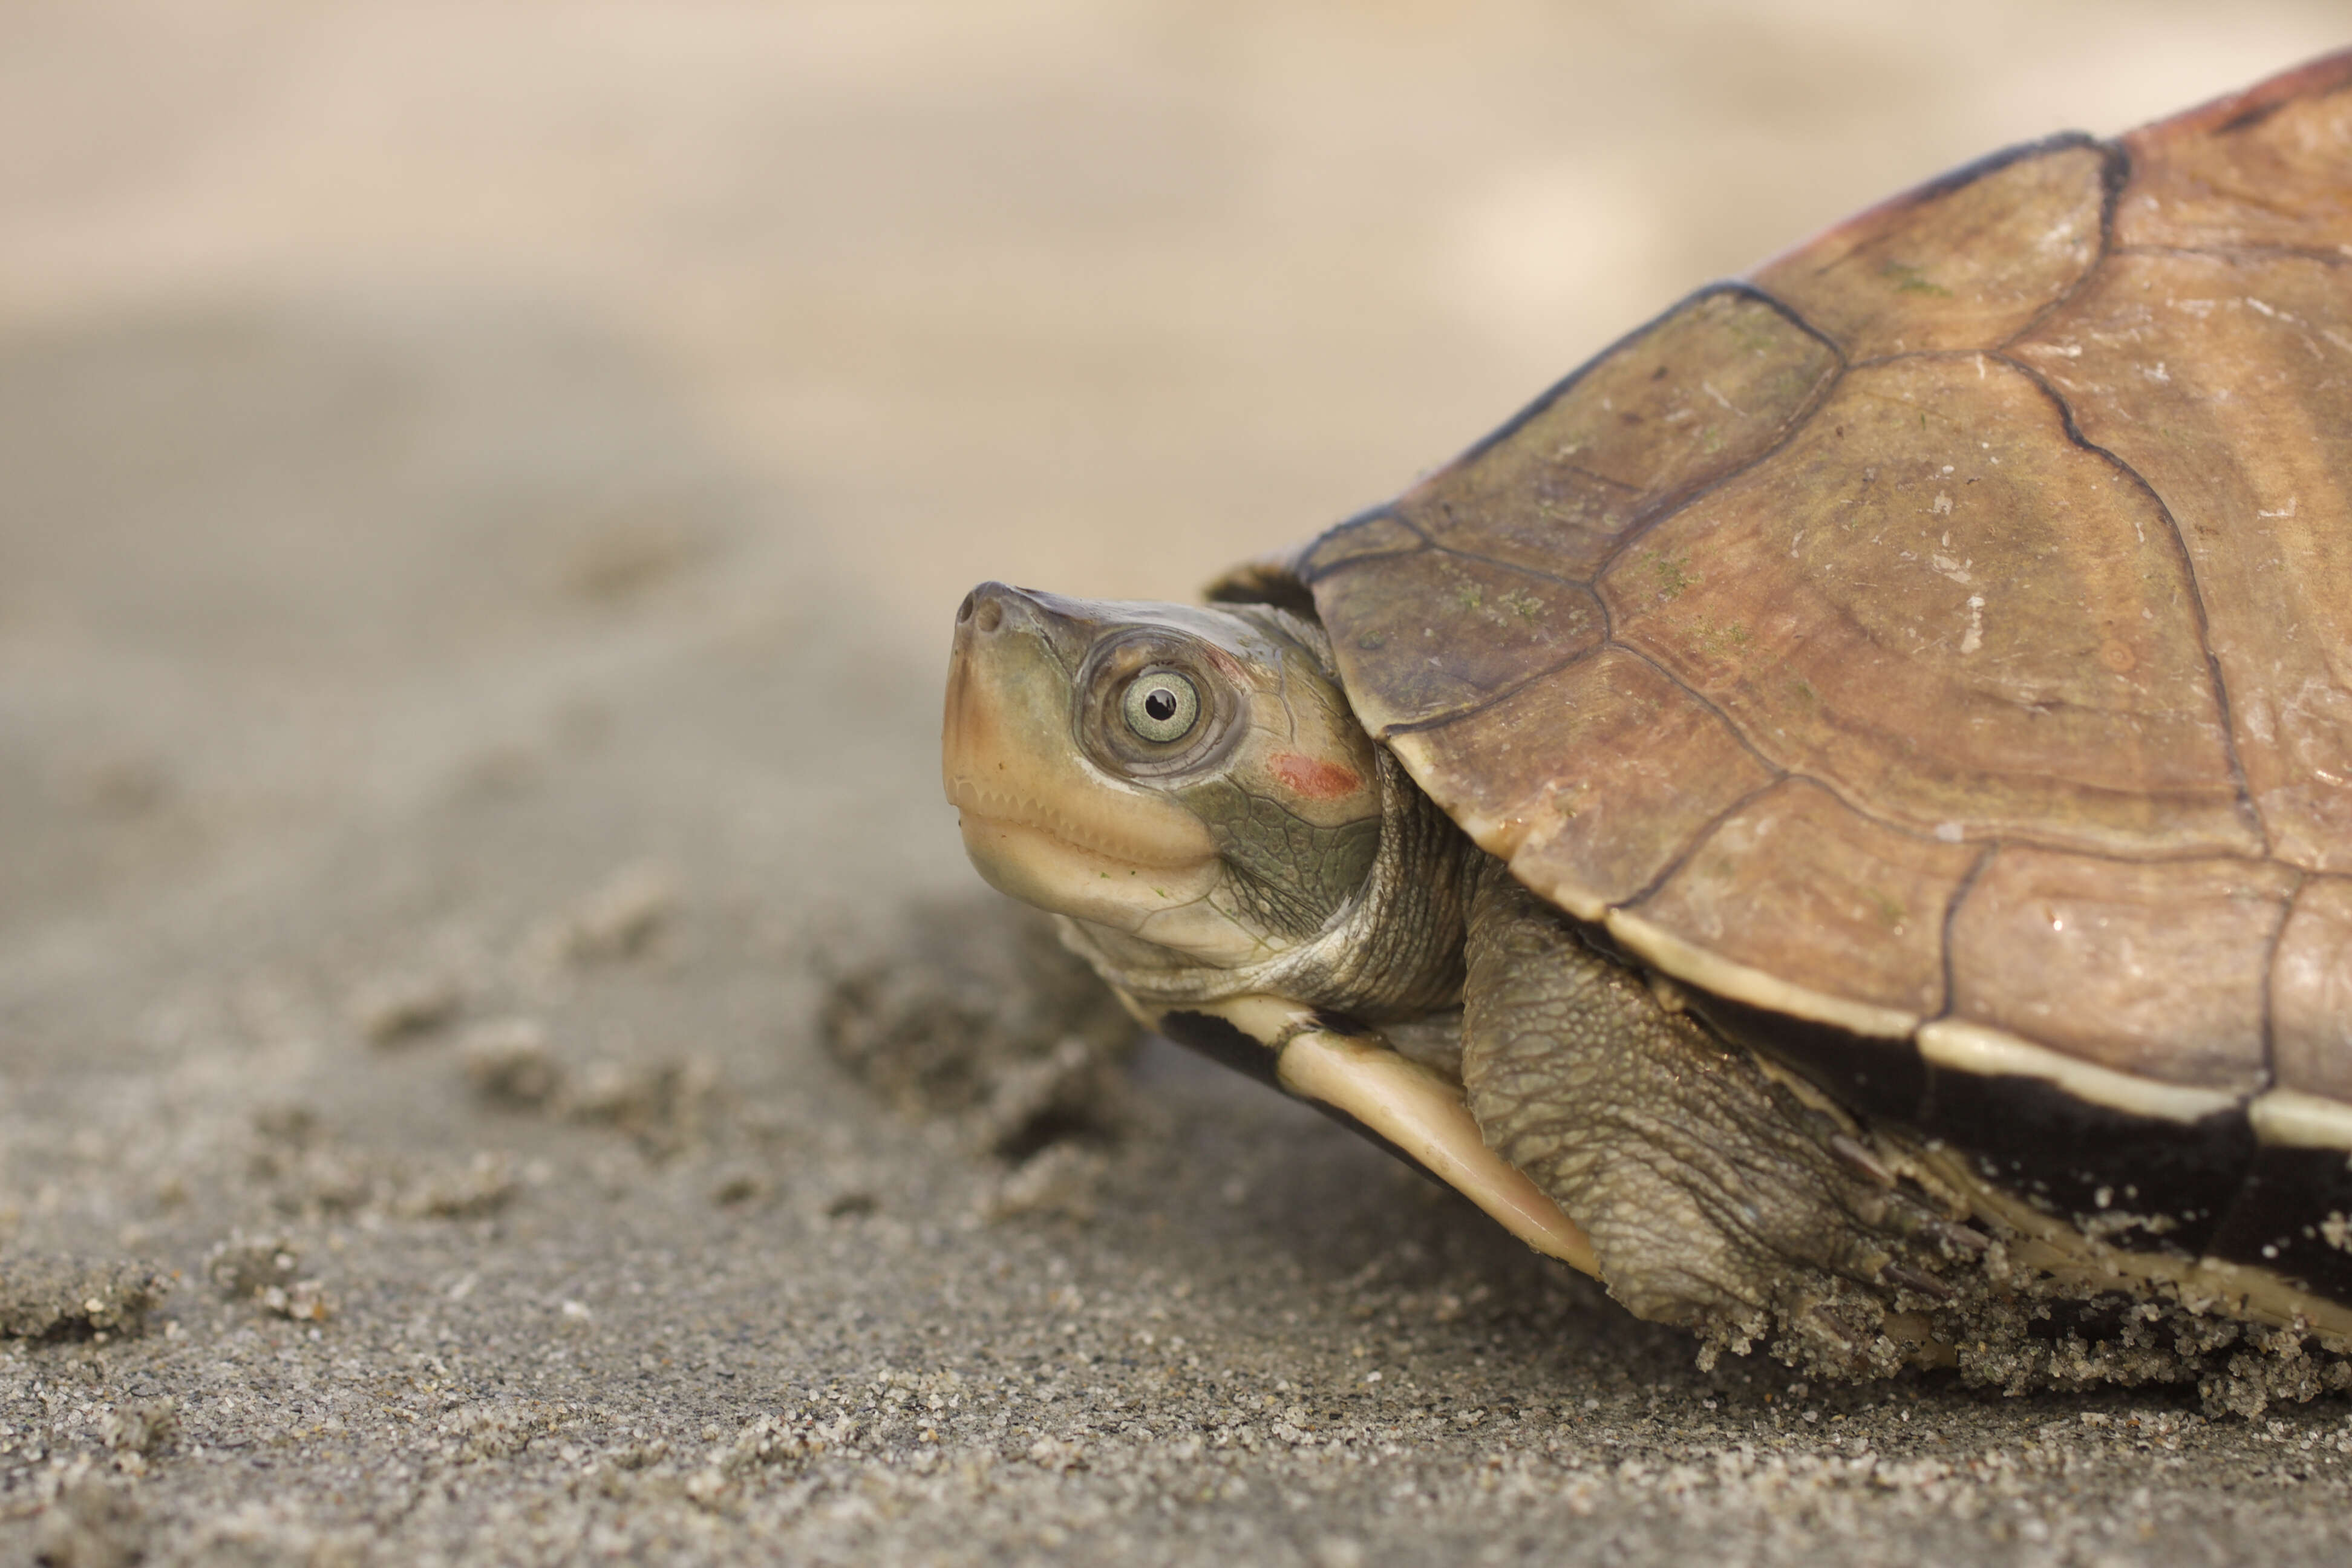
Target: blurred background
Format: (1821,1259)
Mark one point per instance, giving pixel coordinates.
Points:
(376,379)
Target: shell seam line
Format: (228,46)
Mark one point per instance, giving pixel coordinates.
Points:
(1500,695)
(2115,174)
(2196,591)
(1951,917)
(1558,389)
(1941,185)
(1730,727)
(2234,253)
(2013,839)
(1869,734)
(1537,572)
(1713,825)
(1431,546)
(2270,979)
(1646,521)
(1967,882)
(1309,576)
(1968,174)
(1670,504)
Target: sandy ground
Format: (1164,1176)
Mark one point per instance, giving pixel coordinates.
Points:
(482,494)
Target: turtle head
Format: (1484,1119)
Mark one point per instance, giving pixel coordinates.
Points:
(1189,785)
(1186,777)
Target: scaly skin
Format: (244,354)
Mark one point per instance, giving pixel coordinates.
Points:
(1714,1196)
(1272,862)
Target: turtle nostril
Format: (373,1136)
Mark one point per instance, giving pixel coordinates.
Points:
(982,610)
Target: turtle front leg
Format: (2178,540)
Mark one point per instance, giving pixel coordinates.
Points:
(1714,1198)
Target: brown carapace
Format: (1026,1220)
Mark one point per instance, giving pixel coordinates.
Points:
(1936,651)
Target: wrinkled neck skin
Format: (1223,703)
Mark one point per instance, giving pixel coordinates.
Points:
(1392,952)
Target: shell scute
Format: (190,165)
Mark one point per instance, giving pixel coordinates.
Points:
(1962,263)
(2226,384)
(2157,969)
(1592,781)
(1364,537)
(1934,601)
(1430,633)
(1694,396)
(1797,885)
(2265,167)
(2311,991)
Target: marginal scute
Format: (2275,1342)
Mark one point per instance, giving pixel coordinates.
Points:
(2290,1119)
(1365,538)
(1765,989)
(1418,637)
(1797,884)
(1694,395)
(2227,385)
(2264,167)
(2156,969)
(1934,601)
(1959,265)
(1588,782)
(1957,1046)
(2311,992)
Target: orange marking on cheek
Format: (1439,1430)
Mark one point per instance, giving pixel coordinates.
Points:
(1313,777)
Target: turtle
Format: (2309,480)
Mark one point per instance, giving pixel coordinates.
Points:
(1836,820)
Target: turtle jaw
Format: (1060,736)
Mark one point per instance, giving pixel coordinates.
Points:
(1040,822)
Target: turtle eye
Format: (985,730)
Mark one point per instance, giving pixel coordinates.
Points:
(1161,706)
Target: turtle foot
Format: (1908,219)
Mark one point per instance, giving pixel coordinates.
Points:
(1715,1195)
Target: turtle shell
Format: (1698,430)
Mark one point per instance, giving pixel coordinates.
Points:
(1936,650)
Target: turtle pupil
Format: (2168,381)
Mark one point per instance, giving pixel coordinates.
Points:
(1160,706)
